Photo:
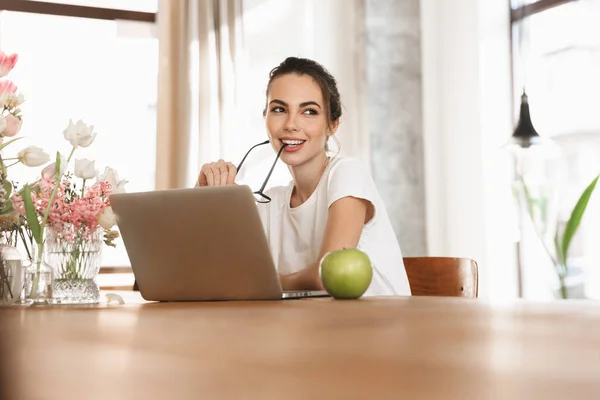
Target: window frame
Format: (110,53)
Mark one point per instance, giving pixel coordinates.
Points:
(78,11)
(517,15)
(525,11)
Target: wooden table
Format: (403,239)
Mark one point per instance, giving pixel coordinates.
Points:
(394,348)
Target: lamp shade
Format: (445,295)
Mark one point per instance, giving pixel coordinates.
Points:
(533,154)
(525,134)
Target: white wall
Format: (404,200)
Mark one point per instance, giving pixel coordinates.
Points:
(467,117)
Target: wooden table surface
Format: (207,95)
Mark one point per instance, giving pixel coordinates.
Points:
(392,348)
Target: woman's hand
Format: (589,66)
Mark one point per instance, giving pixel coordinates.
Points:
(218,173)
(306,279)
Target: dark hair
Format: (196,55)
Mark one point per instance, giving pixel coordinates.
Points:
(326,81)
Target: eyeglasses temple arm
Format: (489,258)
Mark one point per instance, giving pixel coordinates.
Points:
(248,152)
(272,168)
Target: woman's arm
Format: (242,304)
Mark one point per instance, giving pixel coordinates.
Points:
(345,221)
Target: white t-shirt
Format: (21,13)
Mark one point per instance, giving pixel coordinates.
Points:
(295,234)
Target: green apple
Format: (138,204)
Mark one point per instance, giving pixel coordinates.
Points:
(346,274)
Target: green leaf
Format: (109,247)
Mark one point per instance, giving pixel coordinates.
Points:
(32,220)
(57,170)
(530,203)
(558,251)
(530,209)
(3,145)
(8,187)
(575,219)
(8,208)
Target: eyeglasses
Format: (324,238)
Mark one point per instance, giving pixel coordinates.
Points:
(259,195)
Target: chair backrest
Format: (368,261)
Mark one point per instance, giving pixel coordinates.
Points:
(442,276)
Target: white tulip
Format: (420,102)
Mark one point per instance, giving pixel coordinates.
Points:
(3,99)
(49,171)
(33,156)
(79,134)
(111,177)
(15,100)
(11,100)
(120,187)
(107,219)
(85,169)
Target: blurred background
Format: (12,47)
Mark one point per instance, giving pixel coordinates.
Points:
(431,92)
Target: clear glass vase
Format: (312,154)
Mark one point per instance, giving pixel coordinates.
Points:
(74,255)
(39,282)
(12,275)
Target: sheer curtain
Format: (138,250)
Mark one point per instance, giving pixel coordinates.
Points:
(214,61)
(200,63)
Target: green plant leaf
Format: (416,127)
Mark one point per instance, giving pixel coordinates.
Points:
(8,187)
(557,249)
(530,209)
(32,220)
(530,201)
(3,145)
(8,208)
(575,219)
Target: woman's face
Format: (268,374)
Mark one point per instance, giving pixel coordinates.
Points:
(296,116)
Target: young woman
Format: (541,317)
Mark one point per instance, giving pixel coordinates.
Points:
(332,202)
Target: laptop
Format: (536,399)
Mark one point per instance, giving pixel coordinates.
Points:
(199,244)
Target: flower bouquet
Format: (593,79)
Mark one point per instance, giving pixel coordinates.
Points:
(71,219)
(13,226)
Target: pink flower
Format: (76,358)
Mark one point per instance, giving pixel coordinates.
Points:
(12,127)
(46,184)
(7,63)
(7,86)
(72,214)
(18,204)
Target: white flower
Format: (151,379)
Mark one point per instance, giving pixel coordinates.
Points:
(107,219)
(80,134)
(15,100)
(2,124)
(49,171)
(120,187)
(33,156)
(11,100)
(111,177)
(85,169)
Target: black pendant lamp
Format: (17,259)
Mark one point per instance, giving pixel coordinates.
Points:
(525,134)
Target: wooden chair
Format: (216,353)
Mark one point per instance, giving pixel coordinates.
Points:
(442,276)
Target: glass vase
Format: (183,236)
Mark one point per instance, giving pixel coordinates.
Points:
(74,255)
(39,282)
(11,275)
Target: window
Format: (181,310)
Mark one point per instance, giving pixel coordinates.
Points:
(102,71)
(129,5)
(557,58)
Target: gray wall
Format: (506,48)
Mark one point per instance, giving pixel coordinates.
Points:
(394,94)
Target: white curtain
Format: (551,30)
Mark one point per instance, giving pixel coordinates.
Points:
(214,66)
(200,63)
